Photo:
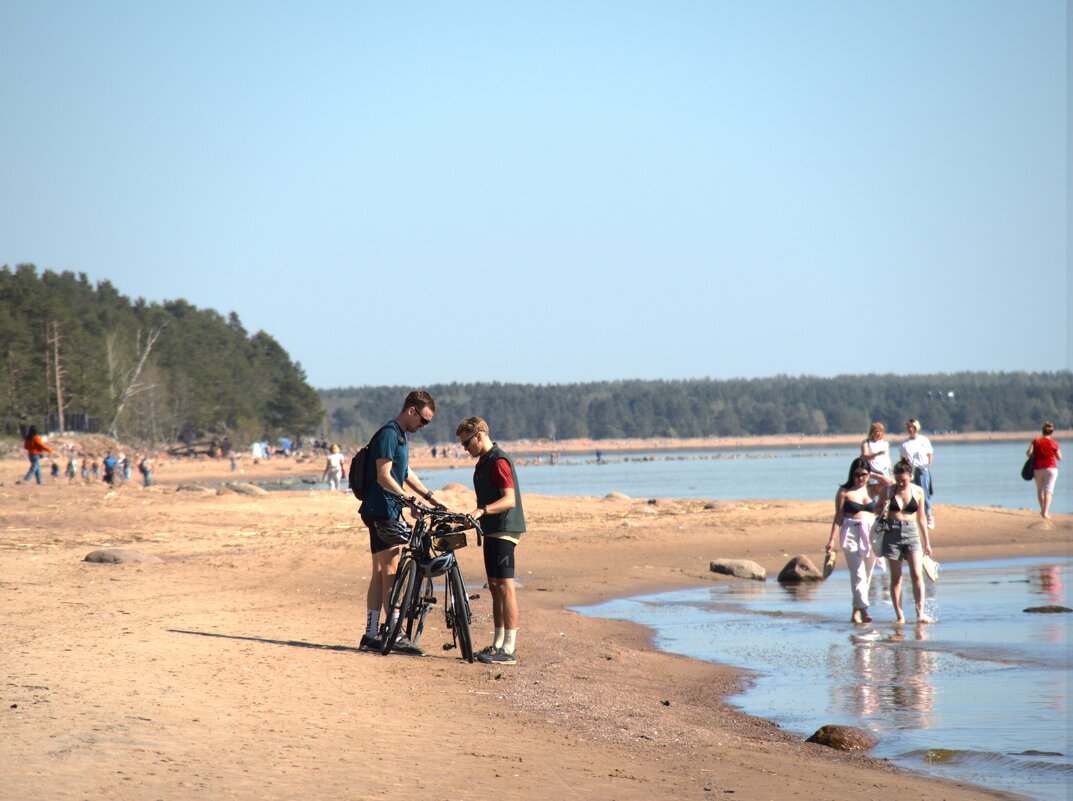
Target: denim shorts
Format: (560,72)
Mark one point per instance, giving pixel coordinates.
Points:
(902,539)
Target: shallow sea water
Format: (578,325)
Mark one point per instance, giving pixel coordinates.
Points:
(980,695)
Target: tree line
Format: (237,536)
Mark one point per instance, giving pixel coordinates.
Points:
(79,356)
(708,408)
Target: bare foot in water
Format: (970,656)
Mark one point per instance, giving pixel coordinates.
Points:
(856,617)
(900,618)
(865,617)
(922,618)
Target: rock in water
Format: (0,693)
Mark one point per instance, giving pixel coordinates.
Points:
(798,569)
(739,568)
(1048,610)
(844,738)
(119,556)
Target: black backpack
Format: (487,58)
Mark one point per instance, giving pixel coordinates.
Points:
(360,479)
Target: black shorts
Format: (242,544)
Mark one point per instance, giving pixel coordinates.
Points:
(498,558)
(375,543)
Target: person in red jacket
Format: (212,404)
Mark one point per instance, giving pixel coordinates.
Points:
(1045,455)
(35,449)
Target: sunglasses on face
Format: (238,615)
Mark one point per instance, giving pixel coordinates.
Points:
(860,474)
(424,420)
(466,442)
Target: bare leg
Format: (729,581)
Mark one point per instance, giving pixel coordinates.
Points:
(916,571)
(504,603)
(1045,505)
(384,565)
(896,588)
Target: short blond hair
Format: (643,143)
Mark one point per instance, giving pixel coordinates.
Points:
(470,426)
(876,428)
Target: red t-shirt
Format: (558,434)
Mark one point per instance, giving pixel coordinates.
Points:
(1044,451)
(501,475)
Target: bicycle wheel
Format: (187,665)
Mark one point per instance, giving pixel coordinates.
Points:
(401,591)
(460,613)
(415,620)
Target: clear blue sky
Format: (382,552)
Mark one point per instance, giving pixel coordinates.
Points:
(558,192)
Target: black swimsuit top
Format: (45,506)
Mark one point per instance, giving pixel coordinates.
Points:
(910,508)
(852,507)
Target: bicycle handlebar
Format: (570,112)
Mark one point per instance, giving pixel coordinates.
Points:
(410,502)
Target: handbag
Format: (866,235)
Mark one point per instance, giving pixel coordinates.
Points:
(1026,471)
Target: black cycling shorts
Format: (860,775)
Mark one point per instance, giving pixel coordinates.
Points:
(375,543)
(498,558)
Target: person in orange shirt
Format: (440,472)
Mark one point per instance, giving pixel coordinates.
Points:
(35,449)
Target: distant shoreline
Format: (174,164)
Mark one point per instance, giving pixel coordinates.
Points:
(625,445)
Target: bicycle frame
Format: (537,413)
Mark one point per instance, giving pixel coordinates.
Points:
(413,589)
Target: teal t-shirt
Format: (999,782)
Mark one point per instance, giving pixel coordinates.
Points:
(388,443)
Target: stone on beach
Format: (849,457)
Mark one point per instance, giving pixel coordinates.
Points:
(119,556)
(739,568)
(798,569)
(616,496)
(198,488)
(245,488)
(844,738)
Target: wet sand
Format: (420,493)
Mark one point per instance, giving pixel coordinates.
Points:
(229,668)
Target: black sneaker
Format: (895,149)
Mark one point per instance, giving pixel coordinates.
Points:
(369,643)
(404,646)
(498,657)
(488,649)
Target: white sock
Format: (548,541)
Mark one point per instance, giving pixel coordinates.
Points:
(508,640)
(498,641)
(372,622)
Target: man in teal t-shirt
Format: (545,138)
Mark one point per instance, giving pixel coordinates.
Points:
(389,460)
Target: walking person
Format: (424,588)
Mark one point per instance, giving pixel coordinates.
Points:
(852,526)
(333,468)
(1045,455)
(145,467)
(876,450)
(907,540)
(35,449)
(917,450)
(499,508)
(389,472)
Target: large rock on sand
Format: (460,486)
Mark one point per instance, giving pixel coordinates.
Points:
(199,489)
(245,488)
(616,496)
(739,568)
(119,556)
(799,569)
(844,738)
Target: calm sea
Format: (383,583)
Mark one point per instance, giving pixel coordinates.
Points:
(980,695)
(965,474)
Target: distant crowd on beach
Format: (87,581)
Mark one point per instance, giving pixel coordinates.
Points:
(113,468)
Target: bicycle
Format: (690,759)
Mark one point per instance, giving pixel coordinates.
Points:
(427,553)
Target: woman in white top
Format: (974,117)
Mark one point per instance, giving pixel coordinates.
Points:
(877,451)
(333,470)
(917,451)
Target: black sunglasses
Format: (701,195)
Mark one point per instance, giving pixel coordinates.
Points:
(465,443)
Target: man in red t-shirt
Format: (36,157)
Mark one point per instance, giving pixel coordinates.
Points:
(499,507)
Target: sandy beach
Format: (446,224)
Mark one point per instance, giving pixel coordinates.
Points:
(228,669)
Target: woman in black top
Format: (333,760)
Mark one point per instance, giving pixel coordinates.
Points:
(907,540)
(852,526)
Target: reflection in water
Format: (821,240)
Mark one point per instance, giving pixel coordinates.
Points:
(1049,579)
(887,680)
